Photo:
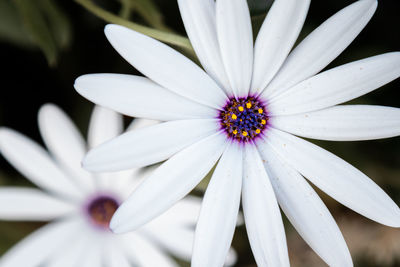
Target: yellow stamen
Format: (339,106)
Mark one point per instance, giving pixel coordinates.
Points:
(258,131)
(263,122)
(234,132)
(240,108)
(244,133)
(248,105)
(260,110)
(234,117)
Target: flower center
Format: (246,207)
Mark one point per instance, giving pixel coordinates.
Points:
(101,209)
(243,119)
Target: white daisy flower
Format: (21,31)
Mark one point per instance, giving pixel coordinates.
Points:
(244,112)
(80,205)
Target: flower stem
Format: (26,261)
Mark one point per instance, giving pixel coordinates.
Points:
(167,37)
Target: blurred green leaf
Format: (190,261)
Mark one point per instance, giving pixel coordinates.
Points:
(35,23)
(150,13)
(58,22)
(126,7)
(147,9)
(11,29)
(167,37)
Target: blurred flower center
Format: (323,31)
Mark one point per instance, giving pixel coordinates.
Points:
(101,210)
(243,119)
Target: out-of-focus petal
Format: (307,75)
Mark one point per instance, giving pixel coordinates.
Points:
(32,205)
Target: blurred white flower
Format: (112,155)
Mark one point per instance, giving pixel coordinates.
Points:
(80,205)
(245,111)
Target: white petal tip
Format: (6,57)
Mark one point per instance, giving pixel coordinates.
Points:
(46,110)
(395,223)
(78,83)
(392,218)
(116,226)
(48,107)
(374,3)
(111,29)
(5,133)
(90,163)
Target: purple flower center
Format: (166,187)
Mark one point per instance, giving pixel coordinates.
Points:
(101,209)
(243,119)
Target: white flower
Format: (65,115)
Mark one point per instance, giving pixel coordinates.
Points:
(80,205)
(245,111)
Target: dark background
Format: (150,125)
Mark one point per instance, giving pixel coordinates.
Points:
(27,82)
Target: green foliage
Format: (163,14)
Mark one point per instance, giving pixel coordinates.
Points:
(164,36)
(147,10)
(58,23)
(11,29)
(35,23)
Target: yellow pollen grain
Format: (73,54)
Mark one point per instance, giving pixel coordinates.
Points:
(234,132)
(248,105)
(258,131)
(263,122)
(240,108)
(244,133)
(234,117)
(260,110)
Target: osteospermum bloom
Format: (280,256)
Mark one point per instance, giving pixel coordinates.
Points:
(80,205)
(244,112)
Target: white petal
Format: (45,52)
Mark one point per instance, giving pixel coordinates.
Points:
(199,19)
(114,255)
(306,211)
(35,164)
(165,66)
(322,46)
(147,145)
(144,253)
(104,125)
(37,247)
(337,85)
(177,241)
(343,123)
(71,256)
(336,178)
(183,214)
(276,38)
(139,97)
(219,211)
(141,123)
(235,37)
(93,257)
(31,204)
(261,213)
(168,184)
(65,143)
